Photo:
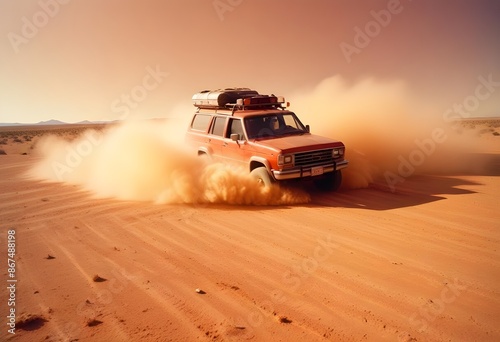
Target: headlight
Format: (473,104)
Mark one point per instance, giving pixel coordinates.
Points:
(285,159)
(337,152)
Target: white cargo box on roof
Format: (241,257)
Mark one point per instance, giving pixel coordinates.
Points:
(221,97)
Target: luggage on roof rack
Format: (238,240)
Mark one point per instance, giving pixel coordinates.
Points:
(222,97)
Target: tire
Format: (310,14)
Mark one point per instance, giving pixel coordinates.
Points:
(330,182)
(262,176)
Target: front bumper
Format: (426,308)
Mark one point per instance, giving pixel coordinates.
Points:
(307,171)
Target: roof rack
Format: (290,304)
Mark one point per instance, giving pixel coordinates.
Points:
(236,98)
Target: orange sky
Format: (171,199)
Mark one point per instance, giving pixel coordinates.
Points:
(74,60)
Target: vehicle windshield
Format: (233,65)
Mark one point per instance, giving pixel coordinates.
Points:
(273,125)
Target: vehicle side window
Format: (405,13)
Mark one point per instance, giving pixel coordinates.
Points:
(235,127)
(218,126)
(201,122)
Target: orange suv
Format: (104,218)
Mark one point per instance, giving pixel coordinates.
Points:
(240,126)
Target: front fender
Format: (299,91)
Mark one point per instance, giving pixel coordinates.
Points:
(262,161)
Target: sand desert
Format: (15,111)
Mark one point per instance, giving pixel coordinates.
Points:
(363,264)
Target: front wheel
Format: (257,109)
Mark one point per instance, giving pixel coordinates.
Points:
(329,182)
(262,176)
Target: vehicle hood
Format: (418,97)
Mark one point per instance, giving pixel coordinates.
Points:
(298,143)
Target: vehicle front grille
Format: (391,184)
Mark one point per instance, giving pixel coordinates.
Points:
(312,158)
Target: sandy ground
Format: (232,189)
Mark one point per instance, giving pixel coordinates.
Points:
(421,264)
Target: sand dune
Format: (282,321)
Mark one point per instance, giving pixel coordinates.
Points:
(420,264)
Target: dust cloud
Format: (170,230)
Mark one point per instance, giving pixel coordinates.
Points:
(389,135)
(147,161)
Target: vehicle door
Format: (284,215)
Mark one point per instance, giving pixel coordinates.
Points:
(215,137)
(235,152)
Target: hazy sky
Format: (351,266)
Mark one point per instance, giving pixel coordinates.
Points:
(108,59)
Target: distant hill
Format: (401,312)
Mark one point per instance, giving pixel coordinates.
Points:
(51,122)
(41,123)
(55,122)
(11,124)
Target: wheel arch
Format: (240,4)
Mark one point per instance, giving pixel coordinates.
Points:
(204,150)
(256,162)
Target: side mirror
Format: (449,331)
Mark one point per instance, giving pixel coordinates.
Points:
(235,137)
(308,129)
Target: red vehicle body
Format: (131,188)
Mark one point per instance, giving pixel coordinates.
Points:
(240,126)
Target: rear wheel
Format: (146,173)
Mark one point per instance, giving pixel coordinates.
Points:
(262,176)
(330,182)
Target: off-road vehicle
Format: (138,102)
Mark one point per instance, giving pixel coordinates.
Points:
(241,126)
